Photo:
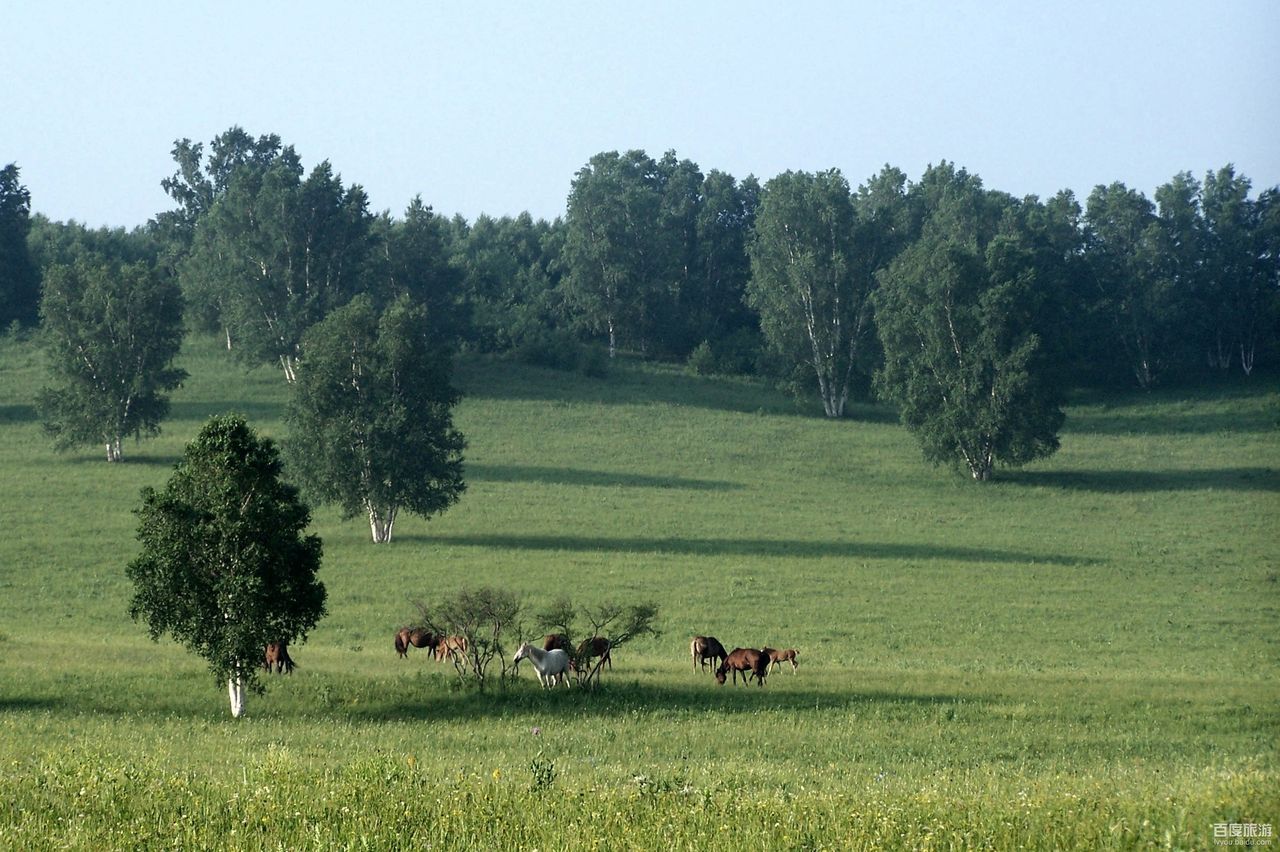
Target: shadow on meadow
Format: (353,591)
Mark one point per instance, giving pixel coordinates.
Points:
(795,548)
(616,699)
(18,414)
(1145,481)
(630,383)
(596,478)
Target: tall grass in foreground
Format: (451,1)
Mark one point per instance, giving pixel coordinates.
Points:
(97,801)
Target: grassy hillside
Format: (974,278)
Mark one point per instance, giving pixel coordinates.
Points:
(1081,653)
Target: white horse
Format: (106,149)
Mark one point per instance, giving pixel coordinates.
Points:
(550,665)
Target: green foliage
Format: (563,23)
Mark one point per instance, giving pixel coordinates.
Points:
(372,416)
(225,566)
(112,333)
(274,253)
(19,277)
(961,323)
(813,265)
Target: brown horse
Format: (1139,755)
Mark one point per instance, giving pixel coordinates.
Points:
(704,648)
(596,646)
(749,661)
(416,637)
(277,658)
(777,658)
(553,641)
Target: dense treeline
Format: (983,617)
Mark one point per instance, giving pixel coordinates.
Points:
(934,294)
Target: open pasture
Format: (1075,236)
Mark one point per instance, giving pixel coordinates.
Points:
(1083,653)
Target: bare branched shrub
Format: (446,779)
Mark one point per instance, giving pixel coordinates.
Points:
(483,617)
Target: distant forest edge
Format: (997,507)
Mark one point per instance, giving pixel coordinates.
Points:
(910,291)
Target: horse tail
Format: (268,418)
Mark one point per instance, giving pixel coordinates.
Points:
(400,645)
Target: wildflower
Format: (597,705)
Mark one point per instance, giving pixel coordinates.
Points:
(536,731)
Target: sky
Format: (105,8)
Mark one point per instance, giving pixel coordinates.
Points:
(487,107)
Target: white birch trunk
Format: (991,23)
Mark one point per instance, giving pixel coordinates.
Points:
(235,688)
(113,449)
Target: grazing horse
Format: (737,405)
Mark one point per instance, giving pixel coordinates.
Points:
(451,646)
(552,641)
(550,665)
(749,661)
(416,637)
(596,646)
(704,648)
(777,658)
(277,658)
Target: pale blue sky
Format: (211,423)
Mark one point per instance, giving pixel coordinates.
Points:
(491,107)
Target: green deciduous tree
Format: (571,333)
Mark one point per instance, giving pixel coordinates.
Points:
(19,278)
(805,280)
(1131,262)
(615,254)
(226,566)
(112,332)
(276,253)
(960,315)
(371,416)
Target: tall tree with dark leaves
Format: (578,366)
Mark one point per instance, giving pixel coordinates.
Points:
(805,283)
(1136,294)
(281,252)
(614,252)
(226,565)
(371,419)
(960,319)
(411,256)
(1239,292)
(19,277)
(197,183)
(111,332)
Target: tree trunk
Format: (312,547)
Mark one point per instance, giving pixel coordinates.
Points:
(380,523)
(1246,359)
(227,330)
(613,339)
(235,688)
(290,366)
(113,449)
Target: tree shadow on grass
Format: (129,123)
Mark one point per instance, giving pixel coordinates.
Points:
(617,699)
(1144,481)
(18,414)
(593,478)
(24,704)
(757,547)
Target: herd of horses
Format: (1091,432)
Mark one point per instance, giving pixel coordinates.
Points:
(557,658)
(749,662)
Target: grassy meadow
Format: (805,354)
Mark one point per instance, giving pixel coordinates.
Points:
(1081,654)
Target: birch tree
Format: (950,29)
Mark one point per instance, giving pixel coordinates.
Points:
(804,280)
(371,418)
(226,566)
(111,332)
(961,318)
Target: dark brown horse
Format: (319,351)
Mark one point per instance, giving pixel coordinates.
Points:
(596,646)
(416,637)
(749,661)
(552,641)
(704,648)
(277,658)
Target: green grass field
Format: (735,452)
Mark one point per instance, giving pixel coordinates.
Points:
(1082,654)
